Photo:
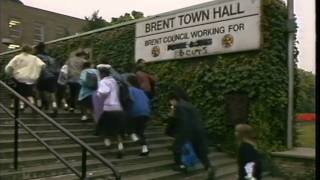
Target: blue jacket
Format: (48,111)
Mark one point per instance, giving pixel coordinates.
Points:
(141,103)
(84,91)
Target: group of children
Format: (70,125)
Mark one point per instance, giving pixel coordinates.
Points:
(120,104)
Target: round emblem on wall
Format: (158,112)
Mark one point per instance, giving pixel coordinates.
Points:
(155,51)
(228,40)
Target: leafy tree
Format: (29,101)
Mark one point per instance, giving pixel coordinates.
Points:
(17,1)
(94,22)
(137,14)
(305,92)
(127,17)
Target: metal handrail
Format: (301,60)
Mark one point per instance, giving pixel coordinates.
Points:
(84,146)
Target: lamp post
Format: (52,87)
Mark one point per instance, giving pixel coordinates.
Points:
(290,5)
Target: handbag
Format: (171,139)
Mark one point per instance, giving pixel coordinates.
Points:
(189,157)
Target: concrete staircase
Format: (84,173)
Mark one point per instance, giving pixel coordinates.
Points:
(35,162)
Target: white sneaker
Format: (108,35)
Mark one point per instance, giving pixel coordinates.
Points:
(66,106)
(134,137)
(107,142)
(39,103)
(84,118)
(21,106)
(54,105)
(120,146)
(145,149)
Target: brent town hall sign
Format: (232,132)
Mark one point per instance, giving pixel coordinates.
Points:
(216,27)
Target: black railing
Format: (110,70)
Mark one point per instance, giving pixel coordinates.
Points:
(85,148)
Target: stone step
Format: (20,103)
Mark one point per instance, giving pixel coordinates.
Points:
(48,126)
(195,174)
(5,134)
(137,169)
(35,162)
(33,120)
(30,161)
(59,169)
(29,114)
(39,149)
(70,148)
(65,140)
(74,125)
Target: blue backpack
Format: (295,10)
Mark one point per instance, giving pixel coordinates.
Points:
(189,157)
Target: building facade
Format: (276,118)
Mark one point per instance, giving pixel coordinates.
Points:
(21,24)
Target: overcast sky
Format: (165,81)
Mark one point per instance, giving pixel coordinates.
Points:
(305,11)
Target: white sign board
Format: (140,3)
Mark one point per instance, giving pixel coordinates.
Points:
(216,27)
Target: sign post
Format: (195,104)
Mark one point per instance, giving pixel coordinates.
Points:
(291,74)
(221,26)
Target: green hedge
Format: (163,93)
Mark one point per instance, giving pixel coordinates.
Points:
(262,74)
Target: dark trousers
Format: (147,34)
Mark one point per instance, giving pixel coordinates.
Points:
(74,93)
(138,125)
(199,145)
(61,93)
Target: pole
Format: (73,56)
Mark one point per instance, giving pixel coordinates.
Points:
(290,4)
(16,133)
(84,164)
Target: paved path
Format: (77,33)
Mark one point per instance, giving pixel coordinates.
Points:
(308,153)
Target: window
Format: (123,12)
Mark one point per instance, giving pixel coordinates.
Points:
(15,28)
(38,33)
(61,32)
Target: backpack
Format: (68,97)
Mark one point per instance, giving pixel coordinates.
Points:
(124,95)
(51,70)
(91,81)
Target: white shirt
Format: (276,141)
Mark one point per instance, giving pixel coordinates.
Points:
(109,90)
(25,68)
(63,76)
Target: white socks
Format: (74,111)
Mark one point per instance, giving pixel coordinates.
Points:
(39,103)
(21,105)
(54,105)
(107,142)
(120,146)
(134,137)
(145,149)
(84,118)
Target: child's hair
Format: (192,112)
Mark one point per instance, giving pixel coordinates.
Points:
(140,61)
(81,54)
(245,131)
(104,72)
(26,48)
(40,48)
(177,93)
(133,81)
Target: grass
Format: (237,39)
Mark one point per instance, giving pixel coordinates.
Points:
(306,134)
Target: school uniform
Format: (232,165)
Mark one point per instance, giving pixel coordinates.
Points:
(186,127)
(112,119)
(62,83)
(49,76)
(147,83)
(248,154)
(25,69)
(74,70)
(139,113)
(85,94)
